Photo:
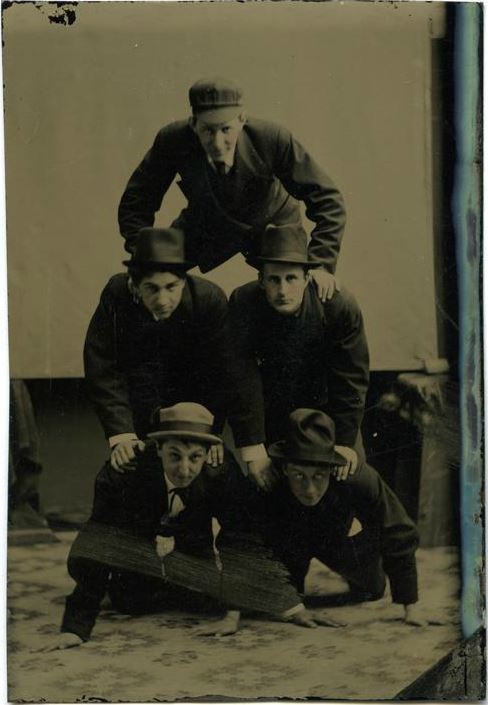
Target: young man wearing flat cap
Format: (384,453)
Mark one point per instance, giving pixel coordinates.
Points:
(294,350)
(358,528)
(238,174)
(172,493)
(157,337)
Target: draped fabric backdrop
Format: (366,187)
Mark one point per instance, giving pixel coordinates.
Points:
(84,101)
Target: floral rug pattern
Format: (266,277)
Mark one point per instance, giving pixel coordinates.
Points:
(159,657)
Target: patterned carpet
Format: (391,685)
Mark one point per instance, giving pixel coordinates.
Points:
(161,658)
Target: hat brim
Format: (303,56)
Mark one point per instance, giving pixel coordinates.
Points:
(189,435)
(158,266)
(278,450)
(256,262)
(218,114)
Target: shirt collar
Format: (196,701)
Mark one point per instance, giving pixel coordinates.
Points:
(169,485)
(228,161)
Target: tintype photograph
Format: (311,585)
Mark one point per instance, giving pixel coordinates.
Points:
(244,271)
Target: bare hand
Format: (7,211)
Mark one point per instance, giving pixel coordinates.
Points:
(414,615)
(222,627)
(263,473)
(342,472)
(66,640)
(311,620)
(123,454)
(326,283)
(215,455)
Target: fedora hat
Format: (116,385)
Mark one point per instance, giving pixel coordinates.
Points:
(184,420)
(286,244)
(159,247)
(310,439)
(219,98)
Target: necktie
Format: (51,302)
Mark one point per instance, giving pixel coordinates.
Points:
(220,168)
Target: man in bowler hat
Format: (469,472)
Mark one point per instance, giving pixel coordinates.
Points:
(158,336)
(174,494)
(238,174)
(358,528)
(294,350)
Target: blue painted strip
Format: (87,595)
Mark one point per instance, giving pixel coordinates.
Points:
(466,211)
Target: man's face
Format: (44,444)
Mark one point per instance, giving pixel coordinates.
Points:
(182,462)
(218,139)
(161,293)
(284,286)
(308,483)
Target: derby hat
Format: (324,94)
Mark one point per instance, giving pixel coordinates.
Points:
(216,95)
(184,420)
(309,440)
(284,244)
(156,248)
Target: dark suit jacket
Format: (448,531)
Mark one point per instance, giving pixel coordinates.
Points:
(133,363)
(130,509)
(318,360)
(298,533)
(271,172)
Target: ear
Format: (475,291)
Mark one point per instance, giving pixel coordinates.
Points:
(308,277)
(192,121)
(260,278)
(243,117)
(134,290)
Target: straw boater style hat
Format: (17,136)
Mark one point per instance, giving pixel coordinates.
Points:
(309,440)
(158,248)
(284,244)
(218,98)
(184,420)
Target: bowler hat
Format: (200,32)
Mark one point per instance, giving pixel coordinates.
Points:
(310,439)
(184,420)
(159,247)
(216,94)
(285,244)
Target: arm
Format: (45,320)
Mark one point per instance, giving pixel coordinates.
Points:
(377,504)
(105,380)
(248,424)
(304,179)
(347,366)
(146,188)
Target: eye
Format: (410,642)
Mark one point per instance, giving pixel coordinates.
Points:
(174,456)
(226,130)
(195,458)
(171,287)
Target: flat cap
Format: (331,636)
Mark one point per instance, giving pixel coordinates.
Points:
(216,94)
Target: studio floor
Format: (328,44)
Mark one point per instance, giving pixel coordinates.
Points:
(161,658)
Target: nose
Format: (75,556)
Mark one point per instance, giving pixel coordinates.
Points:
(184,468)
(308,490)
(282,288)
(162,298)
(218,140)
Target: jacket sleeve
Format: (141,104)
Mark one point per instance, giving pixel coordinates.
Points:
(347,365)
(378,505)
(252,577)
(306,181)
(248,421)
(106,382)
(213,318)
(146,188)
